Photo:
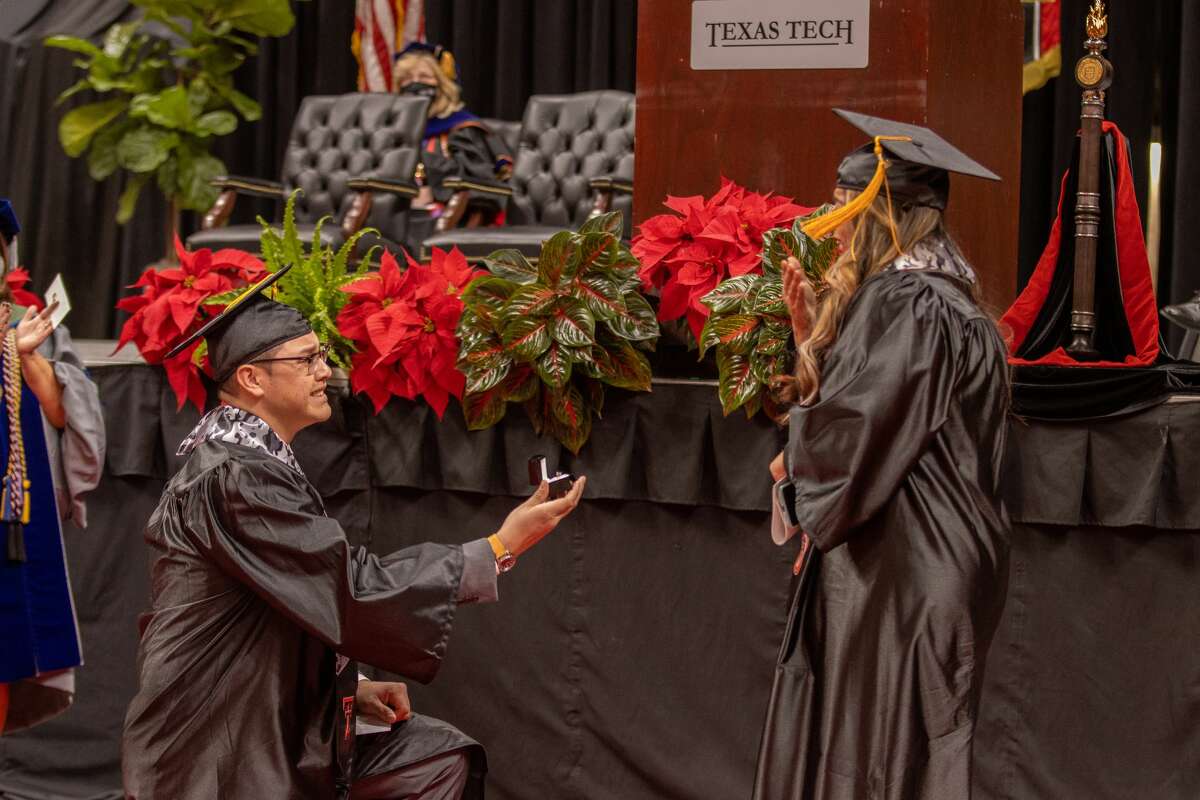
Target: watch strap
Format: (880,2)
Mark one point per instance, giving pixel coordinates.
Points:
(504,559)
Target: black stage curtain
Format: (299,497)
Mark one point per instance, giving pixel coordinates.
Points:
(1155,94)
(1182,138)
(510,49)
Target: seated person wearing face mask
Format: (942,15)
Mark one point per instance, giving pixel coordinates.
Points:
(456,143)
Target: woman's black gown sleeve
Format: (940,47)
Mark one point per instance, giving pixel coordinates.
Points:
(468,151)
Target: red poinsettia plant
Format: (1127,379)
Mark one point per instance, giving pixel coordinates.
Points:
(686,254)
(16,280)
(174,302)
(402,323)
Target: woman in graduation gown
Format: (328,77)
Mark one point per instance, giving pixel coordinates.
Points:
(456,142)
(894,449)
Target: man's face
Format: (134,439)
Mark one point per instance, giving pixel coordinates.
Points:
(294,397)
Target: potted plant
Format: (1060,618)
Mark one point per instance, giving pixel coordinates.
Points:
(551,336)
(173,301)
(314,285)
(176,300)
(684,255)
(163,101)
(403,324)
(748,323)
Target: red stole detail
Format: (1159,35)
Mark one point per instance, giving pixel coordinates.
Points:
(1141,308)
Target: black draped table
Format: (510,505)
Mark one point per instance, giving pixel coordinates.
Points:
(1093,681)
(631,654)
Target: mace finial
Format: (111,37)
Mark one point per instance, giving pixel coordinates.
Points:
(1097,20)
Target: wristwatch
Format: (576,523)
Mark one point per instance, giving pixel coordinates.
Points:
(504,559)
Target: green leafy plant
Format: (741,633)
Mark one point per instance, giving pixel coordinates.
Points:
(314,284)
(749,325)
(551,336)
(780,244)
(163,101)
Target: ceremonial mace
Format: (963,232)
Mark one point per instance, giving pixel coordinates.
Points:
(1094,74)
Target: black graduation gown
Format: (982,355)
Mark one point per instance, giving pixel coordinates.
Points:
(896,469)
(467,151)
(254,592)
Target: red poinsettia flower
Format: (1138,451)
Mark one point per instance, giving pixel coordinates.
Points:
(174,302)
(403,324)
(16,280)
(686,256)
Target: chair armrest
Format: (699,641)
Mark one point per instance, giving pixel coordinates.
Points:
(230,187)
(388,185)
(475,202)
(611,183)
(256,187)
(478,185)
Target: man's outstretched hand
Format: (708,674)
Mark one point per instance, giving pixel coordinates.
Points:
(383,701)
(529,522)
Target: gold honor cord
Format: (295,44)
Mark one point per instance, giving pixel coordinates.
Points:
(825,224)
(16,483)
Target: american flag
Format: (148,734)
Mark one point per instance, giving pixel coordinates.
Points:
(382,28)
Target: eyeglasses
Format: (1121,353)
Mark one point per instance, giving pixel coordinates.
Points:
(309,361)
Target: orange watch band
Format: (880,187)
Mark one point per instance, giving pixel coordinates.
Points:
(497,546)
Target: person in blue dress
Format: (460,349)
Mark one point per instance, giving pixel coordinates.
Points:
(51,453)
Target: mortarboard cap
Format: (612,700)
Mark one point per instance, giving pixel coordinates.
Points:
(248,327)
(908,163)
(918,165)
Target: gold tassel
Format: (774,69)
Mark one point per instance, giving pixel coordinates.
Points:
(25,510)
(825,224)
(449,67)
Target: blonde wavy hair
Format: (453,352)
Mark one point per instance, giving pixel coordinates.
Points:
(872,249)
(449,96)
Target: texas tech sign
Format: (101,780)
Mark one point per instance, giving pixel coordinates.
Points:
(780,34)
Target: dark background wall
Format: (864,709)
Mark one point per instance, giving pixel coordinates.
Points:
(507,50)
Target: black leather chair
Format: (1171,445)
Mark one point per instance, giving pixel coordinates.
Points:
(353,155)
(574,158)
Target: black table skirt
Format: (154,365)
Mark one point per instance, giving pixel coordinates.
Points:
(1092,689)
(631,653)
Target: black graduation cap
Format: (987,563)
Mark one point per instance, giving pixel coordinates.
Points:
(919,166)
(248,327)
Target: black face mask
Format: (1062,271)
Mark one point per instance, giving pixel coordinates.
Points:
(429,90)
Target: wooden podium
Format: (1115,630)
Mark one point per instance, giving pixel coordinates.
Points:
(950,65)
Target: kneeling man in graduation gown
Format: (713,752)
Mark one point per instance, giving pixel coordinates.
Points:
(248,686)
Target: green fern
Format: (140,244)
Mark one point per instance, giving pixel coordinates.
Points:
(318,272)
